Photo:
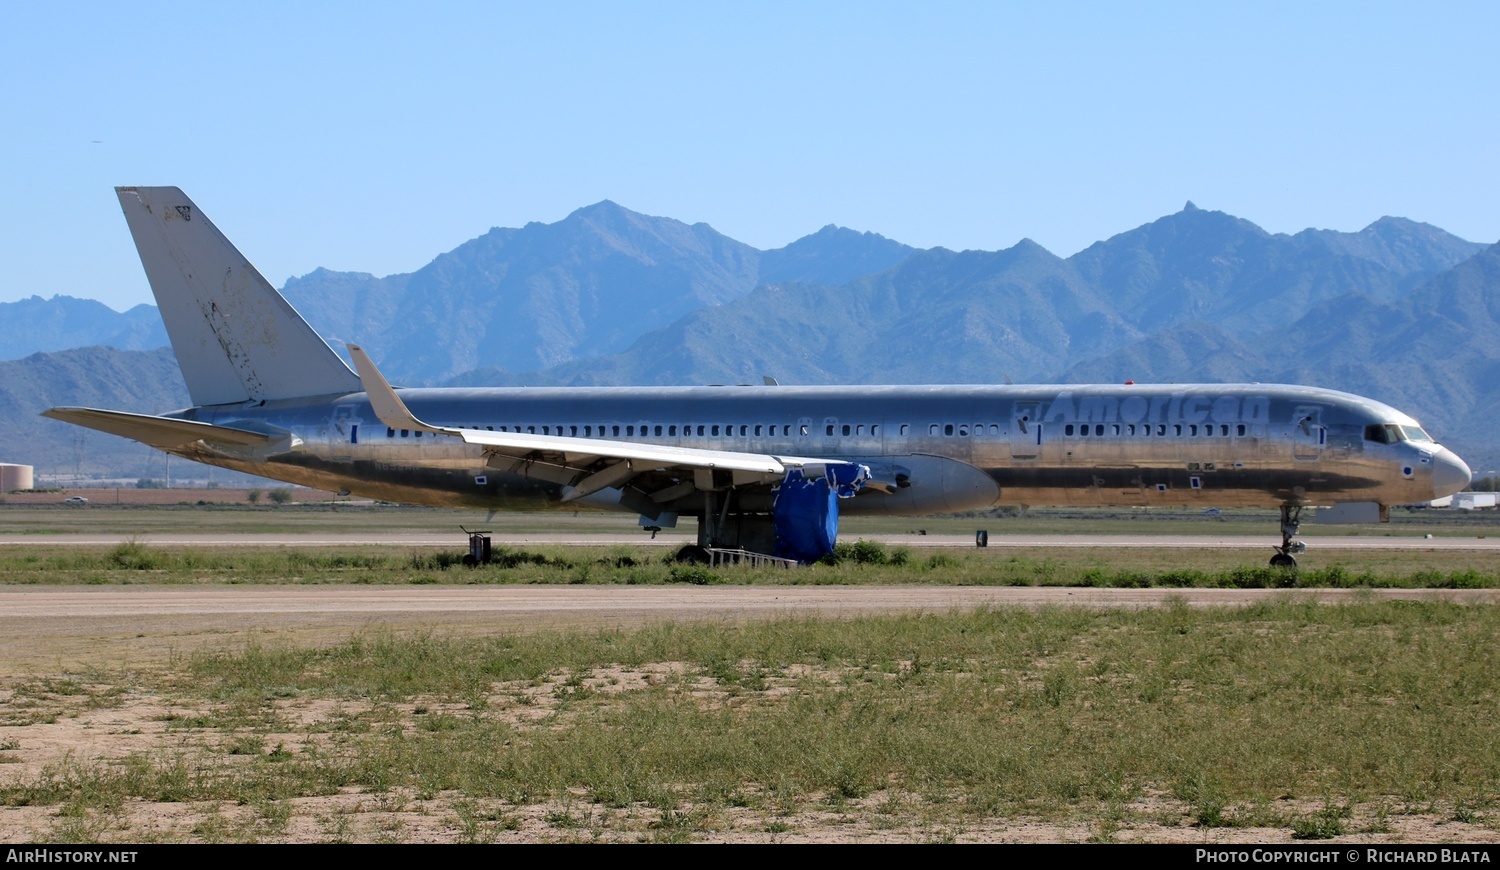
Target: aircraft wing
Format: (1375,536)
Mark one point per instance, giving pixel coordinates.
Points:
(587,465)
(163,432)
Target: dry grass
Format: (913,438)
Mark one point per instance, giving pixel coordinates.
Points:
(1360,723)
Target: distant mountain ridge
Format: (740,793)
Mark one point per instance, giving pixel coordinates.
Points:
(1207,265)
(99,377)
(547,294)
(1028,315)
(517,298)
(36,325)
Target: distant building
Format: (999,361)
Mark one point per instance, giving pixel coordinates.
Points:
(1474,501)
(15,477)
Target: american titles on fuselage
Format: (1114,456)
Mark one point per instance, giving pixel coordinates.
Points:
(1177,407)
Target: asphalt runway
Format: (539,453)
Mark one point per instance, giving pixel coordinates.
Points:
(69,627)
(1038,542)
(63,629)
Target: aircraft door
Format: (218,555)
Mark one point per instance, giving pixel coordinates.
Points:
(1026,430)
(1309,435)
(343,433)
(828,434)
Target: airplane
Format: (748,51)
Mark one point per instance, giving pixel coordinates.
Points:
(765,469)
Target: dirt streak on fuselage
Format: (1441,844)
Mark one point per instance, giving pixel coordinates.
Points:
(958,447)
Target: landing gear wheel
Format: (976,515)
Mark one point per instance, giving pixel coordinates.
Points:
(1291,517)
(693,554)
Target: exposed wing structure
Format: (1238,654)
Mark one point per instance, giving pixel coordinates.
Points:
(587,465)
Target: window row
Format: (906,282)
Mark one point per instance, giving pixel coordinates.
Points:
(1176,430)
(962,430)
(631,430)
(857,430)
(648,430)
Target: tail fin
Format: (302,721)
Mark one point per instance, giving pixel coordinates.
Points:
(236,338)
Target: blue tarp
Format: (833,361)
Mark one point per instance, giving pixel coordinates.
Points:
(806,510)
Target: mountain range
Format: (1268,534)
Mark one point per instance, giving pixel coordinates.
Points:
(1400,311)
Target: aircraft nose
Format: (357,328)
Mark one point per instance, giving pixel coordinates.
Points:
(1449,473)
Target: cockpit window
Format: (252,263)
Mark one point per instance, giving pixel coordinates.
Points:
(1390,433)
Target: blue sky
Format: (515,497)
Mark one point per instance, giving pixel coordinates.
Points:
(373,136)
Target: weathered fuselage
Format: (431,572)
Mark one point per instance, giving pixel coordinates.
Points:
(943,448)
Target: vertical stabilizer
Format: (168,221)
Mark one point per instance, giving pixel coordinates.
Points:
(236,338)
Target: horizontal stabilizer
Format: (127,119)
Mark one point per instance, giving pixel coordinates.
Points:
(163,432)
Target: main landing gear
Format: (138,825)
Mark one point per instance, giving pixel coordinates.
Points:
(693,554)
(1285,557)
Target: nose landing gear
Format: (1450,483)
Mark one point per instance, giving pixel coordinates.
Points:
(1291,517)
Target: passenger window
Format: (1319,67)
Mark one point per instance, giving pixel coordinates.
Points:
(1068,429)
(948,429)
(846,430)
(757,429)
(829,430)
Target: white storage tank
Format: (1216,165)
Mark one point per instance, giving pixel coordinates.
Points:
(14,477)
